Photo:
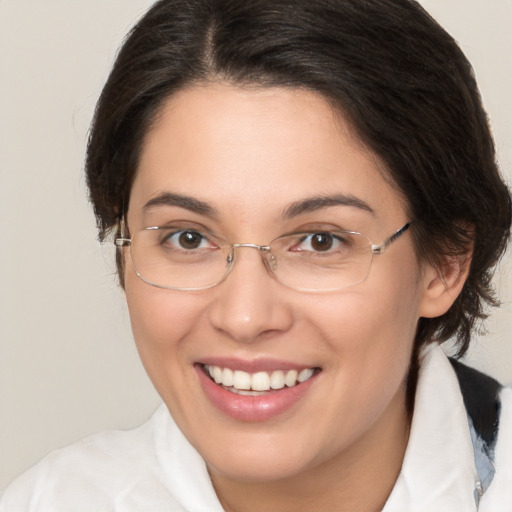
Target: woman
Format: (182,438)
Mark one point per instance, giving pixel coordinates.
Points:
(305,201)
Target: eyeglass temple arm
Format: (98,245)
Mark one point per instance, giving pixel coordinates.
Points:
(379,249)
(119,242)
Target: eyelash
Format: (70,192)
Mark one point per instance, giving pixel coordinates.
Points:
(178,233)
(332,238)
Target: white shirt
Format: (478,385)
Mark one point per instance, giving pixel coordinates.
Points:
(154,469)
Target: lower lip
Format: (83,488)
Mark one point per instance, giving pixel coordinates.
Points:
(253,408)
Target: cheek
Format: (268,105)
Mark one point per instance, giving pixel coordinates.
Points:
(160,321)
(371,328)
(367,319)
(368,336)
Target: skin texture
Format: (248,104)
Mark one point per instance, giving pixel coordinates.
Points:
(250,153)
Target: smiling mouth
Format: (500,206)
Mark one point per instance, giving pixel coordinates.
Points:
(259,383)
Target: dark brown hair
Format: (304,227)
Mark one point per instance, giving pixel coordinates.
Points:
(394,73)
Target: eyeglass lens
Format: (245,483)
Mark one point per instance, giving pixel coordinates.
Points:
(186,259)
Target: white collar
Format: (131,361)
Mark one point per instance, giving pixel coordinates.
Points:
(185,473)
(438,472)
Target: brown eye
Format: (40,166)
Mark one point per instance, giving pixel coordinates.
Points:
(190,239)
(321,241)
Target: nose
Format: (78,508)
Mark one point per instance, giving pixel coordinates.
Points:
(249,304)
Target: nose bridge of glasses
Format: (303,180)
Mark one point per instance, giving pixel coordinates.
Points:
(264,250)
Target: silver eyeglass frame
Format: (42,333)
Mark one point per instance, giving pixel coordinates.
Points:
(376,250)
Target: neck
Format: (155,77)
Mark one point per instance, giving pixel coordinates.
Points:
(358,479)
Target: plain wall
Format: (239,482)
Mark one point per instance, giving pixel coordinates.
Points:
(68,366)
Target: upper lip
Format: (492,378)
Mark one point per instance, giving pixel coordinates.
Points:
(254,365)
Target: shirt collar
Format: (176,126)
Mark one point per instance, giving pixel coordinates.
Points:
(438,472)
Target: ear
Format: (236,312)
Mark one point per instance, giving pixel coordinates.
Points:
(443,284)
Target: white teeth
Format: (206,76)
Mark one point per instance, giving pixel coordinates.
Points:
(227,377)
(217,374)
(291,378)
(241,380)
(277,380)
(305,374)
(258,382)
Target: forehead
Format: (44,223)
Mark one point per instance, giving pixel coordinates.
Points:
(255,151)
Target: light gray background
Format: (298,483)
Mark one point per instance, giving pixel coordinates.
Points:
(68,367)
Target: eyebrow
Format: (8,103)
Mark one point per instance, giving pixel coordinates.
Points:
(312,204)
(308,205)
(186,202)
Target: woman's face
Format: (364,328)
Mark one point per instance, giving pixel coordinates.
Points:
(243,157)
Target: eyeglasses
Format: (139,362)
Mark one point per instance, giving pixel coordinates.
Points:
(183,258)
